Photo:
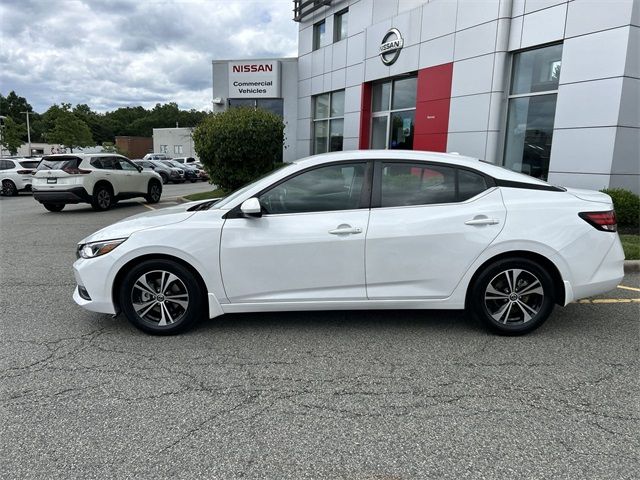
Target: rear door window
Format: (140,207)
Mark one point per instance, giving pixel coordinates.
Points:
(405,184)
(6,165)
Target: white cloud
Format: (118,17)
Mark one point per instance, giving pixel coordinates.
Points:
(124,52)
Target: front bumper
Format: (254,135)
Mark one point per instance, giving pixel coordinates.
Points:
(91,275)
(71,195)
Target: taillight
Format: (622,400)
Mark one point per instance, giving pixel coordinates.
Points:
(605,221)
(24,172)
(75,171)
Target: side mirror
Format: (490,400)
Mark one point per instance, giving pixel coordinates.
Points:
(251,207)
(139,168)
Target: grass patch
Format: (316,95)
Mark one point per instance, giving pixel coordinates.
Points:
(631,246)
(217,193)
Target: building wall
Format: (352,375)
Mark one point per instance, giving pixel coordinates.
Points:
(288,87)
(134,147)
(172,137)
(596,128)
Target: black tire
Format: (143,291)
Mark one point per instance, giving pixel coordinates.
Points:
(165,179)
(194,180)
(154,191)
(9,188)
(512,311)
(102,198)
(154,308)
(54,207)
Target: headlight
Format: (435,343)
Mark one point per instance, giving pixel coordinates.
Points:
(95,249)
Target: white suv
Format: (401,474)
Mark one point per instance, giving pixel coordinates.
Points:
(15,175)
(156,156)
(100,179)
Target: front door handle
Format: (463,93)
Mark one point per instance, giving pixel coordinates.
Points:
(482,220)
(345,230)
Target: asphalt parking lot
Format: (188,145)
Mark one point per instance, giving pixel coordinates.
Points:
(338,395)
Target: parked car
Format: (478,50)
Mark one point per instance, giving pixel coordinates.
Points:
(15,175)
(191,173)
(166,172)
(184,159)
(385,229)
(156,156)
(99,179)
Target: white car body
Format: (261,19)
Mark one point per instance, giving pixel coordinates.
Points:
(402,257)
(17,171)
(78,184)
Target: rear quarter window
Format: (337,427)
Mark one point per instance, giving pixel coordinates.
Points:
(29,163)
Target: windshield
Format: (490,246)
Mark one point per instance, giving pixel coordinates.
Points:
(237,193)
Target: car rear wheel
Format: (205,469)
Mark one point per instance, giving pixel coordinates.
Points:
(161,297)
(154,192)
(512,296)
(54,207)
(102,198)
(9,188)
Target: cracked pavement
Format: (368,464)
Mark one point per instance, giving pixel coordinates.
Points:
(340,395)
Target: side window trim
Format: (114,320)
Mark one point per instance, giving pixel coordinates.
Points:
(376,192)
(365,194)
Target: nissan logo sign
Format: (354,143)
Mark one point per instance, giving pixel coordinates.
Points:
(392,43)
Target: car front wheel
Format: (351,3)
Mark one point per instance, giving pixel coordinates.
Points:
(161,297)
(512,296)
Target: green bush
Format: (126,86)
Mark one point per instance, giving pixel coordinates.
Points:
(627,205)
(239,145)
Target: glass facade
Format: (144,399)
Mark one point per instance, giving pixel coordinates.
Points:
(532,107)
(273,105)
(319,35)
(340,25)
(393,105)
(328,122)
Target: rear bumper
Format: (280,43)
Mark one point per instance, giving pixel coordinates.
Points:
(71,195)
(607,276)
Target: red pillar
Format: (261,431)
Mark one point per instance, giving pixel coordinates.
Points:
(365,117)
(432,108)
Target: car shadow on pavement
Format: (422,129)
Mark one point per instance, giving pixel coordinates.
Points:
(432,320)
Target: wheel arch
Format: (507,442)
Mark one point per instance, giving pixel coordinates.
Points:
(103,182)
(118,279)
(546,263)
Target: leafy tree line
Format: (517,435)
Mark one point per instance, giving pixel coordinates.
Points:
(80,126)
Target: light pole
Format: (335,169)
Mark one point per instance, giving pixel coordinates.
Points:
(2,119)
(28,133)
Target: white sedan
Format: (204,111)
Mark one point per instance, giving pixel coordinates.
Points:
(360,230)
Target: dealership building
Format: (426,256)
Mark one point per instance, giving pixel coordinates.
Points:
(550,88)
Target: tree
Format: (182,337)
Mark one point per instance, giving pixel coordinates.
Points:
(12,134)
(69,130)
(239,145)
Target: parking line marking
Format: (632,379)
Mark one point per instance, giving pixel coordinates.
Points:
(610,300)
(145,205)
(633,289)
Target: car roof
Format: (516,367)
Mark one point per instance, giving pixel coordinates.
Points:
(455,159)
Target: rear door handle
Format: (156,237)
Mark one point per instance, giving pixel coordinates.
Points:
(345,230)
(482,220)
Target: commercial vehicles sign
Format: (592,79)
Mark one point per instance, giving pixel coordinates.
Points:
(254,79)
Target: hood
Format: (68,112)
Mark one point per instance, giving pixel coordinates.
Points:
(590,195)
(155,218)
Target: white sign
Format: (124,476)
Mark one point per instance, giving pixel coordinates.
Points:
(254,79)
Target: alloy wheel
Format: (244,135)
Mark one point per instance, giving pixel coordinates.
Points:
(155,192)
(104,199)
(160,297)
(514,297)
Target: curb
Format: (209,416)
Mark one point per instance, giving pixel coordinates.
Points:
(631,266)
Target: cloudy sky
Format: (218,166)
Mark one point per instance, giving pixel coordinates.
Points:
(112,53)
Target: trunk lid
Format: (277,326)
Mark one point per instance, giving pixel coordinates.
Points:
(591,195)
